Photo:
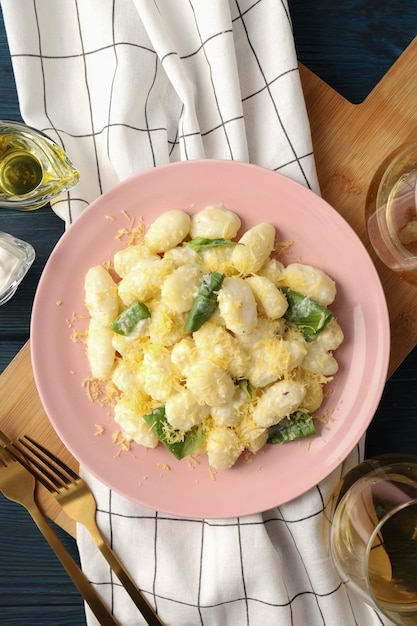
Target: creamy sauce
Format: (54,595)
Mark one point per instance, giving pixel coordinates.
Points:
(9,267)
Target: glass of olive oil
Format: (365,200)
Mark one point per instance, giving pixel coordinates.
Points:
(33,169)
(374,535)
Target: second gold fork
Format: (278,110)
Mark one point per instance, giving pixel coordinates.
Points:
(75,497)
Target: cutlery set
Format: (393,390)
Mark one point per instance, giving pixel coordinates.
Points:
(25,462)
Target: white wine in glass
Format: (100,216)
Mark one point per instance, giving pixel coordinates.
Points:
(374,535)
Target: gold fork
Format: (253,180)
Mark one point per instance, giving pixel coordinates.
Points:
(18,485)
(77,500)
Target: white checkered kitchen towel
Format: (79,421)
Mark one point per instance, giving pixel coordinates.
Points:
(126,85)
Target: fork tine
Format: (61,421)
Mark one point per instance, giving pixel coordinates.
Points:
(47,478)
(18,455)
(5,457)
(7,442)
(10,446)
(48,459)
(10,451)
(54,458)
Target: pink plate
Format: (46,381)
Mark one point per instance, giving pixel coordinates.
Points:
(278,473)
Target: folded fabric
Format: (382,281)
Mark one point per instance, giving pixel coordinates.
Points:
(124,86)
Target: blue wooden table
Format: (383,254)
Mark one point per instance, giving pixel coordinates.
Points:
(349,44)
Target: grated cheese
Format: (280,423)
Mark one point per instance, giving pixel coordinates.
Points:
(105,393)
(132,232)
(212,473)
(79,336)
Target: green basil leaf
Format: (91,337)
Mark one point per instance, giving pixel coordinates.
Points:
(298,426)
(126,322)
(190,443)
(306,314)
(205,303)
(245,386)
(202,243)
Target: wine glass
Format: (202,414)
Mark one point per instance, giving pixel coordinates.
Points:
(391,212)
(374,535)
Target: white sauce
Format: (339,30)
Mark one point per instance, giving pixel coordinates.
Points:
(9,267)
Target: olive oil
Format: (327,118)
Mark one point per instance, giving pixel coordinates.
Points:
(33,168)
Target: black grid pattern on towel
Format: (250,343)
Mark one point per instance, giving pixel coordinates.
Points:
(270,568)
(208,91)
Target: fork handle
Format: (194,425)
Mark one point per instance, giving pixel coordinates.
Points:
(138,598)
(78,577)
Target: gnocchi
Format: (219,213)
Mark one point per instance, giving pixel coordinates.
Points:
(102,300)
(255,247)
(311,282)
(214,222)
(237,306)
(236,374)
(167,231)
(100,350)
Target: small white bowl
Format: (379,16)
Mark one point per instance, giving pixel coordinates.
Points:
(19,256)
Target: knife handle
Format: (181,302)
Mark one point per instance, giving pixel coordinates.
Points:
(150,615)
(78,577)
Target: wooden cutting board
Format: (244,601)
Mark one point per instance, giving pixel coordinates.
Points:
(22,413)
(350,143)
